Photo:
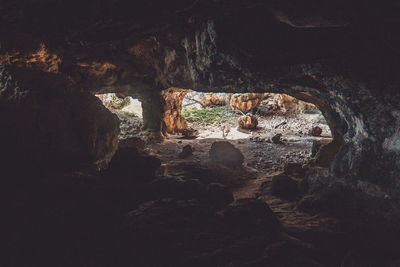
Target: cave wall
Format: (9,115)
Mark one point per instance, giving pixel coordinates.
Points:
(342,61)
(45,121)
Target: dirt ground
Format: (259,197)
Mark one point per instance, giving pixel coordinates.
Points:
(262,160)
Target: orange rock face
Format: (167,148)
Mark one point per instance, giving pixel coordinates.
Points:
(215,99)
(248,122)
(246,102)
(172,117)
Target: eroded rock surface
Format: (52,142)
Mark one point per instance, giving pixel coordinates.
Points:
(246,102)
(173,120)
(49,123)
(248,122)
(341,56)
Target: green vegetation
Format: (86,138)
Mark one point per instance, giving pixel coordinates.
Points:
(208,116)
(129,113)
(118,102)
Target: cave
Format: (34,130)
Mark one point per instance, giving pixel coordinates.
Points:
(89,180)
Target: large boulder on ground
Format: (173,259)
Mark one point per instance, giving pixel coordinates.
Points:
(248,122)
(226,154)
(190,133)
(47,122)
(246,102)
(315,131)
(276,139)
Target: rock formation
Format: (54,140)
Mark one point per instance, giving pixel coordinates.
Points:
(48,122)
(215,99)
(341,56)
(248,122)
(226,154)
(173,120)
(246,102)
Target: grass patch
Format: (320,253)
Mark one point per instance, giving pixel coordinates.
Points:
(208,116)
(130,113)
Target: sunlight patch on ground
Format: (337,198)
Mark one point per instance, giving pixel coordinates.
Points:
(217,132)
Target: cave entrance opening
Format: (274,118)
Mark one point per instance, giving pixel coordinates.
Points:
(270,130)
(129,111)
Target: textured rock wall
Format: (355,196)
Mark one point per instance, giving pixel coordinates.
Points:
(246,102)
(174,122)
(335,60)
(45,121)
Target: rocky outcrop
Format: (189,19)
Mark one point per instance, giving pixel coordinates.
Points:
(113,102)
(153,113)
(172,117)
(248,122)
(292,105)
(48,122)
(215,99)
(342,64)
(246,102)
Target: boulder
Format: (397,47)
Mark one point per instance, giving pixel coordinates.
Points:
(276,139)
(190,133)
(248,122)
(226,154)
(315,131)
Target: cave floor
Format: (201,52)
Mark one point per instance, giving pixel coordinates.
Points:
(263,160)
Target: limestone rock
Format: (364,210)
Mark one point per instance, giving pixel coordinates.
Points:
(276,139)
(246,102)
(113,101)
(190,133)
(226,154)
(172,116)
(316,131)
(248,122)
(215,99)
